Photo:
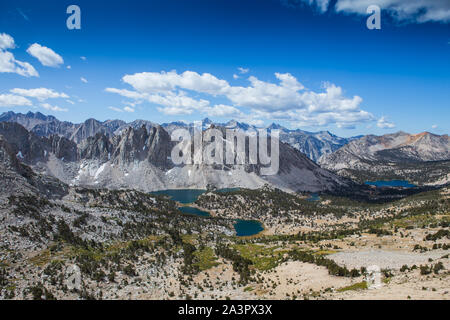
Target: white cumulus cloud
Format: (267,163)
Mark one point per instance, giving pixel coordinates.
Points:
(418,11)
(383,123)
(411,11)
(115,109)
(243,70)
(222,110)
(50,107)
(39,93)
(6,41)
(11,100)
(286,99)
(321,5)
(8,64)
(125,109)
(46,56)
(178,104)
(126,93)
(151,82)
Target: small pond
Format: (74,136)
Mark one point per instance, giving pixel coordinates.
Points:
(313,197)
(247,227)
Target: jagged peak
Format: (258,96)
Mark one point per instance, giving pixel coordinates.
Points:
(92,120)
(276,126)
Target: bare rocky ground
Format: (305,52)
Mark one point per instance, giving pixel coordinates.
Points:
(128,245)
(383,258)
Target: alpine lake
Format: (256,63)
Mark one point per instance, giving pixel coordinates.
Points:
(243,228)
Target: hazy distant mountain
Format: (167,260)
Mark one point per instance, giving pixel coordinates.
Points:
(40,124)
(394,147)
(113,125)
(46,126)
(420,157)
(233,124)
(28,120)
(88,129)
(313,144)
(136,124)
(172,126)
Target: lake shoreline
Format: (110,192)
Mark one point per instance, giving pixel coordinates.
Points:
(185,200)
(390,184)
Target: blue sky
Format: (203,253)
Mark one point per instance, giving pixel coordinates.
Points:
(309,64)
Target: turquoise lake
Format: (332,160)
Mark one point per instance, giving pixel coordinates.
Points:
(247,227)
(391,183)
(181,195)
(313,197)
(243,227)
(188,195)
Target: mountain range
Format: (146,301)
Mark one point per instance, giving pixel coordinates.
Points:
(421,158)
(313,144)
(137,155)
(118,154)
